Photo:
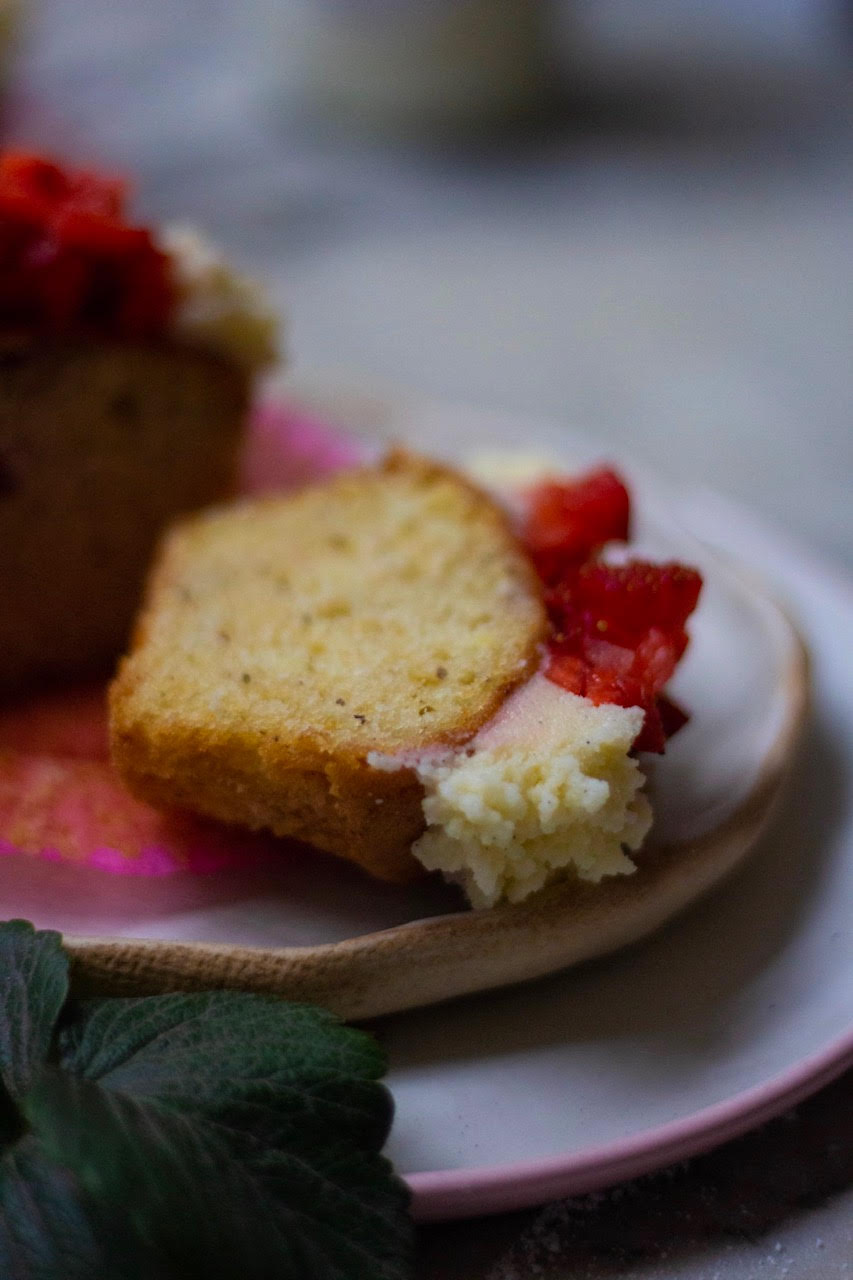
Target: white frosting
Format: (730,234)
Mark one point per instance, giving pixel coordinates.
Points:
(546,787)
(218,307)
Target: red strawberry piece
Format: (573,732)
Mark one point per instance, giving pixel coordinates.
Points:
(627,600)
(672,716)
(618,632)
(568,671)
(569,520)
(70,260)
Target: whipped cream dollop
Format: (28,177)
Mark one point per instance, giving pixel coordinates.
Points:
(547,786)
(219,307)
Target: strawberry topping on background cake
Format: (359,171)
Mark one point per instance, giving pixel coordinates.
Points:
(618,630)
(70,261)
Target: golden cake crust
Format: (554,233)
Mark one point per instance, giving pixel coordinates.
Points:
(284,640)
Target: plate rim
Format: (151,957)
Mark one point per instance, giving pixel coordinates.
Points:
(460,1193)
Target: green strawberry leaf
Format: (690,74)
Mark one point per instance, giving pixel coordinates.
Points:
(163,1182)
(177,1136)
(291,1077)
(190,1194)
(33,989)
(290,1074)
(44,1230)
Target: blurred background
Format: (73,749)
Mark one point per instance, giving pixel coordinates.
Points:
(635,218)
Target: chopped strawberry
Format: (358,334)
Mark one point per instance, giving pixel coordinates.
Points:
(70,261)
(569,520)
(567,671)
(626,600)
(672,716)
(617,630)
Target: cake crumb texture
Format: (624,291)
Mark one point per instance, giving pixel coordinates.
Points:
(389,610)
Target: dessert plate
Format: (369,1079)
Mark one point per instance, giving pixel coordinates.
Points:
(310,928)
(730,1013)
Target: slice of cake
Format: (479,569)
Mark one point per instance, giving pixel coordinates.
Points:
(374,666)
(126,363)
(285,640)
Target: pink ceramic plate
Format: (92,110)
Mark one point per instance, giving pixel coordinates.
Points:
(734,1011)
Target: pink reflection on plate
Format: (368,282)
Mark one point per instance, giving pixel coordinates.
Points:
(287,448)
(60,798)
